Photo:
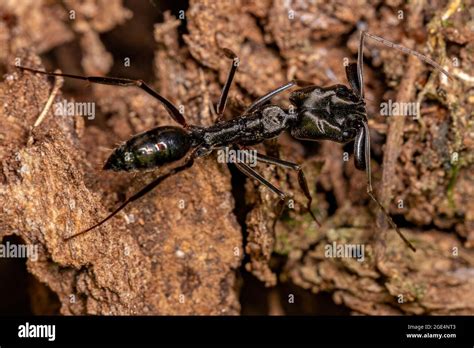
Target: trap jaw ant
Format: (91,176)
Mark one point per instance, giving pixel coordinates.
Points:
(335,113)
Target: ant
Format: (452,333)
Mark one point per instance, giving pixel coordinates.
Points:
(336,113)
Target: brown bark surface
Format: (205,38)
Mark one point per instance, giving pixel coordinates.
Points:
(189,246)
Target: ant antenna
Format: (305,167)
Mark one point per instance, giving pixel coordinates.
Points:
(401,49)
(370,190)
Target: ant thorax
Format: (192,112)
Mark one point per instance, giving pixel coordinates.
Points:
(264,123)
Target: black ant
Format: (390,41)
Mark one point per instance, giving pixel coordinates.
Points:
(336,113)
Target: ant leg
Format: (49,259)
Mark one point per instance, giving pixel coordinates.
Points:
(253,174)
(262,100)
(116,81)
(362,156)
(225,90)
(187,164)
(301,178)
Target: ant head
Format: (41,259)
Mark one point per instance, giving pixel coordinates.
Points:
(313,125)
(313,97)
(334,113)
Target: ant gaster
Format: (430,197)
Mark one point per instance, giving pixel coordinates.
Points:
(336,113)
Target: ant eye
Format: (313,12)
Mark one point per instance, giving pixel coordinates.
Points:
(348,134)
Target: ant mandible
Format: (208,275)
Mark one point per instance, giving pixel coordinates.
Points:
(336,113)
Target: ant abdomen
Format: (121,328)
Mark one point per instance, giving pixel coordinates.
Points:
(151,149)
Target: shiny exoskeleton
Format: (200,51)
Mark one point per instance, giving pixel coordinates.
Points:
(336,113)
(332,113)
(151,149)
